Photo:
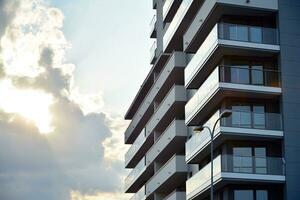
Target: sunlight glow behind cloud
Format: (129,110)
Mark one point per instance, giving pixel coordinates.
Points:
(84,152)
(30,104)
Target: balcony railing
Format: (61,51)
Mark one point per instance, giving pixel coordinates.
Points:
(135,173)
(135,146)
(176,21)
(140,195)
(153,52)
(227,74)
(152,25)
(234,164)
(255,120)
(238,119)
(255,75)
(245,33)
(231,32)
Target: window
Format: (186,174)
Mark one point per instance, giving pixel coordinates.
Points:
(257,75)
(243,195)
(232,32)
(250,160)
(260,160)
(259,117)
(261,195)
(242,33)
(250,195)
(240,74)
(241,116)
(242,159)
(256,34)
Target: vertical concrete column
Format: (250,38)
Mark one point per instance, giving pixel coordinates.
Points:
(159,26)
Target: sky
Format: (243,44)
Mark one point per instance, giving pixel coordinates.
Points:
(69,70)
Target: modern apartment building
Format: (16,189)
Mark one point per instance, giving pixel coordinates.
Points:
(209,56)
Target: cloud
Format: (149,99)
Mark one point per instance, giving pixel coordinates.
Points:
(81,157)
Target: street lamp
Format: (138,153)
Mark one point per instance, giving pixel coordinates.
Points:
(224,114)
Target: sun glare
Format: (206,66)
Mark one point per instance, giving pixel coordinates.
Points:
(30,104)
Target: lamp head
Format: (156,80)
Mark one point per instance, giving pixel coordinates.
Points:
(198,129)
(226,113)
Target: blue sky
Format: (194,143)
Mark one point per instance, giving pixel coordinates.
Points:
(68,72)
(110,46)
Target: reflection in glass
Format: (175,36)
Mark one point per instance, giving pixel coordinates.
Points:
(261,195)
(243,194)
(260,160)
(242,159)
(259,117)
(257,75)
(242,118)
(256,34)
(240,74)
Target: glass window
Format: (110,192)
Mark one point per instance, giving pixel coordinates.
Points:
(270,36)
(242,33)
(243,195)
(260,160)
(261,195)
(232,32)
(242,159)
(240,74)
(259,117)
(257,75)
(241,116)
(256,34)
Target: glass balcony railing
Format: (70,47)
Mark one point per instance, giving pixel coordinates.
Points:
(253,165)
(176,21)
(245,33)
(233,32)
(153,52)
(255,76)
(202,178)
(235,164)
(135,173)
(152,24)
(135,146)
(253,120)
(202,95)
(140,195)
(238,119)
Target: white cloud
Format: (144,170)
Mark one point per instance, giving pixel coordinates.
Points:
(103,196)
(83,152)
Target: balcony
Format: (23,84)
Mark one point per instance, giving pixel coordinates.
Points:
(227,81)
(153,27)
(134,149)
(153,55)
(171,74)
(229,169)
(169,9)
(240,125)
(140,195)
(174,136)
(179,24)
(136,177)
(212,11)
(230,39)
(176,195)
(168,177)
(169,108)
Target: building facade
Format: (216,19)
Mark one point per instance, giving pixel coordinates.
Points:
(209,56)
